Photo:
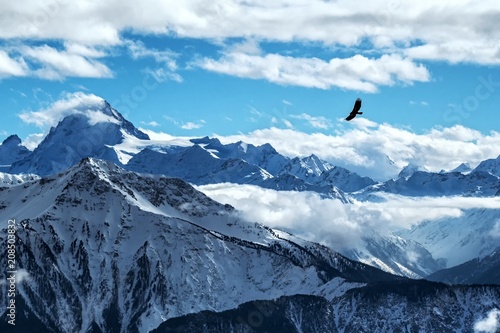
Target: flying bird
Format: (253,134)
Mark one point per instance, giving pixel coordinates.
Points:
(355,110)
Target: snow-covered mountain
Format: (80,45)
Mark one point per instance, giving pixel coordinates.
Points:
(410,169)
(491,166)
(417,306)
(463,168)
(476,271)
(100,131)
(200,165)
(91,131)
(308,168)
(264,156)
(197,165)
(11,150)
(8,179)
(396,255)
(421,183)
(344,179)
(108,250)
(473,234)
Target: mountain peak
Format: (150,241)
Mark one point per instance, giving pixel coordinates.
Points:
(91,129)
(11,150)
(12,140)
(410,169)
(463,167)
(491,166)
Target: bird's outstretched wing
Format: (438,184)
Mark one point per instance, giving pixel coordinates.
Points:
(350,116)
(357,105)
(355,109)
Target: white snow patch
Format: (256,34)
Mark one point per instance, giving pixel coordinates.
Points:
(489,324)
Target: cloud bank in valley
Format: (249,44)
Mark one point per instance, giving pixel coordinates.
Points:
(330,222)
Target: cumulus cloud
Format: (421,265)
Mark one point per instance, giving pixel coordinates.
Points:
(489,324)
(357,72)
(333,223)
(70,103)
(51,63)
(33,140)
(466,29)
(381,150)
(396,35)
(192,125)
(76,61)
(12,67)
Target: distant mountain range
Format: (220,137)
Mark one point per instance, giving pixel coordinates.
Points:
(115,239)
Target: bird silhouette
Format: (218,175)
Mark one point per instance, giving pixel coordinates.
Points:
(355,110)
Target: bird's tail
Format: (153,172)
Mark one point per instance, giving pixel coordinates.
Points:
(359,112)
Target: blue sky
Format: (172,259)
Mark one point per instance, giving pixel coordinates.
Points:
(231,68)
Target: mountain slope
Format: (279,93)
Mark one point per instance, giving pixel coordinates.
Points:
(111,251)
(476,271)
(8,179)
(414,306)
(396,255)
(344,179)
(458,239)
(491,166)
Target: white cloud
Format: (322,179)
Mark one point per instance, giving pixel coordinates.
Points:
(421,103)
(58,64)
(466,28)
(399,33)
(495,232)
(489,324)
(70,103)
(287,123)
(151,123)
(333,223)
(162,75)
(33,140)
(381,150)
(12,67)
(187,126)
(316,122)
(355,73)
(139,50)
(191,125)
